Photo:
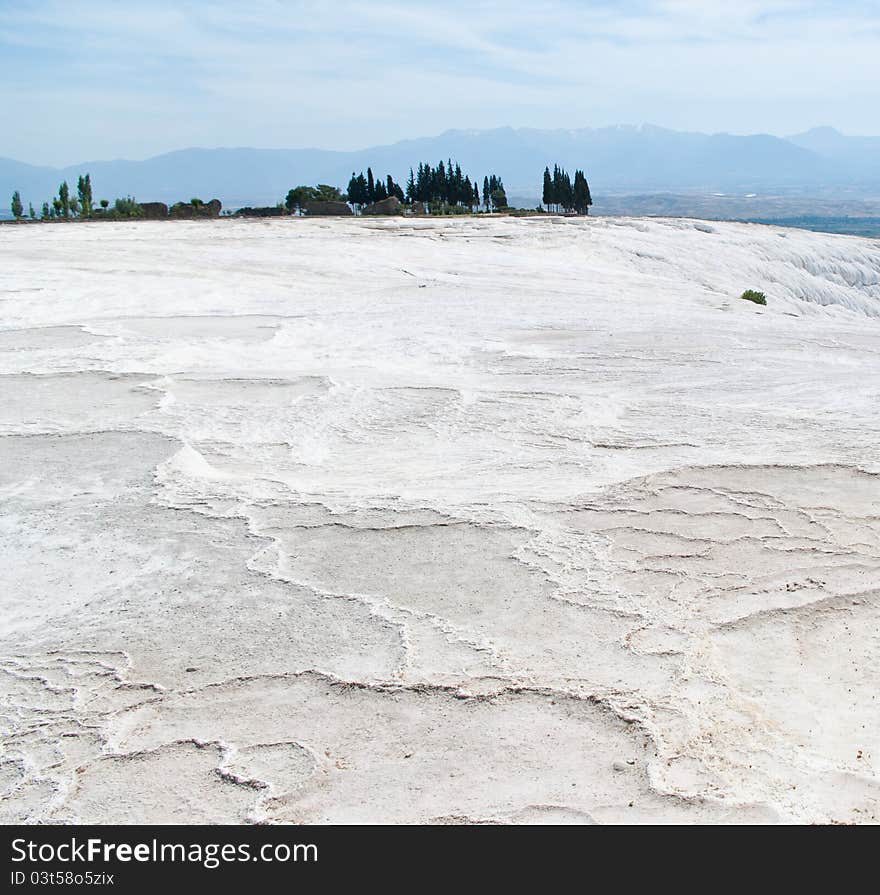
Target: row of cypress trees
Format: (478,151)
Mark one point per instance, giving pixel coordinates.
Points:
(560,194)
(364,190)
(443,184)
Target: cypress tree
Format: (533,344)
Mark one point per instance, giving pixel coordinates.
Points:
(64,199)
(371,186)
(421,179)
(498,195)
(582,198)
(547,194)
(17,209)
(351,190)
(495,193)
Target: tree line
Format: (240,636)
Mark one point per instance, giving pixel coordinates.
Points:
(365,190)
(65,205)
(440,188)
(446,185)
(560,194)
(444,188)
(68,206)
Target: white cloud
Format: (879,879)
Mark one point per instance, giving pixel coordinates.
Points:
(96,78)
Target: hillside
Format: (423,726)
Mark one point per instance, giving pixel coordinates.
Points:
(617,159)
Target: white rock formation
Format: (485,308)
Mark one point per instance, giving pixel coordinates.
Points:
(439,521)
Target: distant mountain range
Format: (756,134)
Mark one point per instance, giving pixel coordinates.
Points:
(617,160)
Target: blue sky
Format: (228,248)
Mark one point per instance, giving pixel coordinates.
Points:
(90,79)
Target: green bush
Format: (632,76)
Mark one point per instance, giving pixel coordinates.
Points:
(757,297)
(127,207)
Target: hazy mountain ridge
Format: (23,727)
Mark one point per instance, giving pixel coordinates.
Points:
(617,159)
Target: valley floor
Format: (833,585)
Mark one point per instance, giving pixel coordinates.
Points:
(439,521)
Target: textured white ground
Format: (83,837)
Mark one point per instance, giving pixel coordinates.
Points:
(439,521)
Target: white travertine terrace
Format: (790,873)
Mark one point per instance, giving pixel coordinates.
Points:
(439,521)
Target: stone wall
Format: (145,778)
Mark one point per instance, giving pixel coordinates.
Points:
(391,205)
(154,211)
(187,211)
(270,211)
(327,208)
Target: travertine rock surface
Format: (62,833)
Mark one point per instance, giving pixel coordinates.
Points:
(439,521)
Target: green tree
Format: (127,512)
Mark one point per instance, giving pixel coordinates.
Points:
(17,209)
(567,197)
(582,199)
(44,213)
(353,191)
(467,193)
(547,195)
(127,207)
(558,190)
(84,193)
(64,198)
(297,198)
(421,187)
(105,203)
(326,193)
(31,212)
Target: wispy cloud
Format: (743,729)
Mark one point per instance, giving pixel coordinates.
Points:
(98,78)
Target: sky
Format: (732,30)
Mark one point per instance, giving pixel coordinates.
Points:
(96,79)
